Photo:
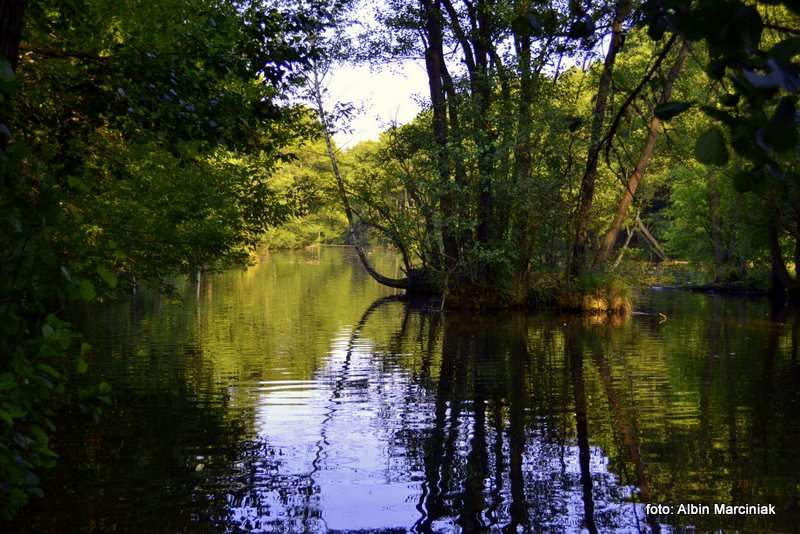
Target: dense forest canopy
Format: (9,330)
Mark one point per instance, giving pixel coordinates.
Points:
(140,140)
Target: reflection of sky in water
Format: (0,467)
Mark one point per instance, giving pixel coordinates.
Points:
(337,458)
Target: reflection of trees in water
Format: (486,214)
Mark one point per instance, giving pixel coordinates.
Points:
(497,455)
(269,499)
(501,420)
(505,441)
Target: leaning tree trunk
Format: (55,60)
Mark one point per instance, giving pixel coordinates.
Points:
(381,279)
(644,160)
(578,257)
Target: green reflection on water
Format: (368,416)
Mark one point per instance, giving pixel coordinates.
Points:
(296,396)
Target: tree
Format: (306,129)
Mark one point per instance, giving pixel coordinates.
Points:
(579,249)
(144,137)
(751,56)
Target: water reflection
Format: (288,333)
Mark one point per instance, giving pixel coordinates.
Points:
(298,396)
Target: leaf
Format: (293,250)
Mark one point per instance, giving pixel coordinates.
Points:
(669,110)
(49,370)
(47,330)
(656,29)
(5,416)
(85,348)
(87,290)
(786,75)
(751,180)
(722,116)
(7,381)
(82,366)
(39,435)
(15,411)
(107,276)
(710,147)
(786,49)
(44,381)
(730,100)
(104,387)
(715,69)
(31,479)
(780,132)
(742,182)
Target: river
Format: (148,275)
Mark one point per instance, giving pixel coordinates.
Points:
(300,396)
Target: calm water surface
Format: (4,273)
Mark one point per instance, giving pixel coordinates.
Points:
(297,397)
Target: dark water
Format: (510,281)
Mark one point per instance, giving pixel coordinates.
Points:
(294,397)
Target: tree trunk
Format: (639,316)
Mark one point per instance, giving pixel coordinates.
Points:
(644,160)
(645,233)
(780,274)
(522,152)
(578,257)
(12,18)
(476,46)
(434,61)
(624,248)
(483,129)
(719,251)
(522,148)
(317,95)
(462,237)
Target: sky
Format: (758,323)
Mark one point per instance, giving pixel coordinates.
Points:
(388,95)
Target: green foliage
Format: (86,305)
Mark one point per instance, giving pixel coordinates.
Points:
(688,230)
(306,180)
(510,209)
(144,138)
(751,51)
(26,387)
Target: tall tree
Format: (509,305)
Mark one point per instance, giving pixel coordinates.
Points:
(578,258)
